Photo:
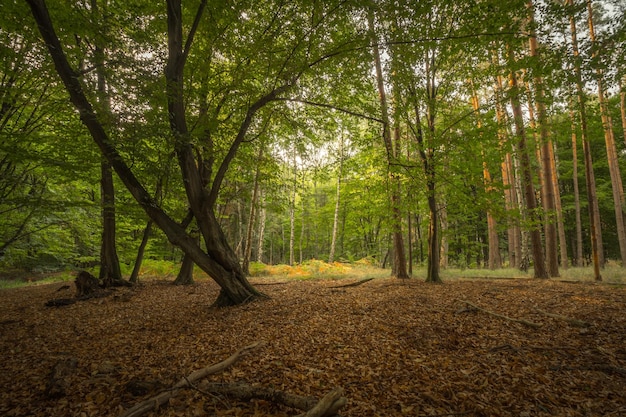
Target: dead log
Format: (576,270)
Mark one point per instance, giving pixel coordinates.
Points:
(162,398)
(524,322)
(58,380)
(568,320)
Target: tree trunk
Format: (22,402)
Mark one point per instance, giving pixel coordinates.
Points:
(597,255)
(559,208)
(110,271)
(494,259)
(579,232)
(508,174)
(219,262)
(134,276)
(261,233)
(333,242)
(622,98)
(292,213)
(185,274)
(548,200)
(253,205)
(539,264)
(611,150)
(399,264)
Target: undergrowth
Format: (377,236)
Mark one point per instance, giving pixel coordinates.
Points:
(314,269)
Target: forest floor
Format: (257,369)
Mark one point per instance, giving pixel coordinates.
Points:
(396,347)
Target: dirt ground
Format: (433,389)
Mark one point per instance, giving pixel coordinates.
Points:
(395,347)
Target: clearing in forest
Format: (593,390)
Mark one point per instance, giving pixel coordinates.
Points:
(397,347)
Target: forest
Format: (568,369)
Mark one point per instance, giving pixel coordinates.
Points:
(390,141)
(474,135)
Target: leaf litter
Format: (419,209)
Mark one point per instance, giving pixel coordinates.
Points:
(396,347)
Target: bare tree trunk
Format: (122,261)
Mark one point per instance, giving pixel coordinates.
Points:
(109,262)
(134,276)
(261,233)
(494,259)
(579,232)
(539,264)
(611,150)
(398,244)
(548,200)
(559,208)
(597,255)
(255,197)
(333,242)
(622,97)
(292,213)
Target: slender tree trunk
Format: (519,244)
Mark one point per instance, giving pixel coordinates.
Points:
(611,150)
(253,204)
(333,242)
(508,175)
(539,264)
(396,216)
(292,213)
(548,200)
(622,97)
(494,259)
(261,233)
(597,254)
(185,274)
(559,208)
(579,229)
(134,276)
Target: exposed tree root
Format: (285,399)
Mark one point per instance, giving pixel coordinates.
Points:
(524,322)
(568,320)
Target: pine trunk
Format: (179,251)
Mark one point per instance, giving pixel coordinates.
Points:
(539,264)
(597,255)
(611,149)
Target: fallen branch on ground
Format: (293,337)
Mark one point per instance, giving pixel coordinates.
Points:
(524,322)
(164,397)
(568,320)
(246,392)
(353,284)
(326,407)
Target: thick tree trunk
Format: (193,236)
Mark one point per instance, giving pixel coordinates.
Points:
(185,274)
(539,264)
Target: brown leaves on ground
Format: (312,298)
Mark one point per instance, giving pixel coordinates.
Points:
(396,347)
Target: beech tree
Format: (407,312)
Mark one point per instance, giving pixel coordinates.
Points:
(194,147)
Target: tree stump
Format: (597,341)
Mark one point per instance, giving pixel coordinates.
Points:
(86,284)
